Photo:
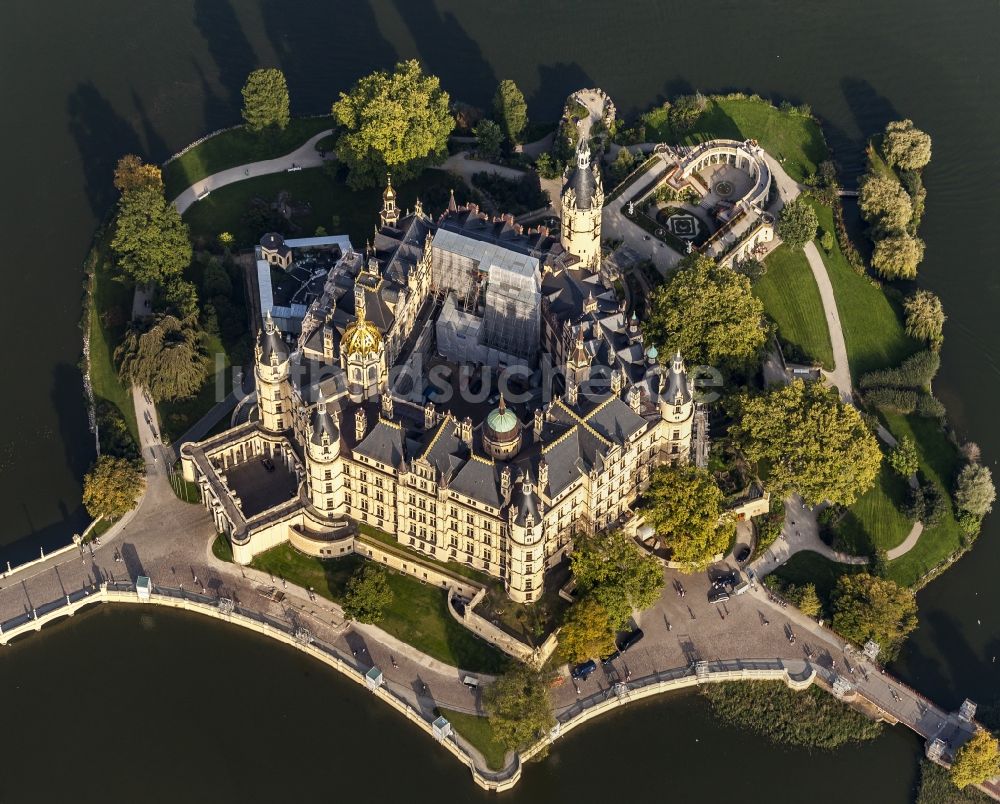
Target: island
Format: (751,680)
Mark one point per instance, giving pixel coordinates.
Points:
(511,468)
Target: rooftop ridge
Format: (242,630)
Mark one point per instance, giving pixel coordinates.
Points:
(437,435)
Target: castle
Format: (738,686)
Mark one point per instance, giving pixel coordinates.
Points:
(548,423)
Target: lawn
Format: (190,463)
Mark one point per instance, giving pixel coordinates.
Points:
(791,298)
(873,327)
(875,520)
(110,311)
(939,463)
(238,147)
(793,139)
(332,204)
(477,731)
(418,614)
(464,570)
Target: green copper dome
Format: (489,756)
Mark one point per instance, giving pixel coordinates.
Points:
(501,420)
(651,353)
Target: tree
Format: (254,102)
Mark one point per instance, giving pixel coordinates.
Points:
(613,569)
(396,122)
(131,173)
(488,140)
(805,599)
(265,99)
(181,296)
(977,760)
(797,224)
(226,240)
(587,631)
(897,256)
(925,317)
(518,707)
(903,458)
(866,607)
(151,241)
(685,111)
(974,490)
(623,165)
(884,203)
(215,281)
(111,487)
(709,313)
(813,443)
(752,268)
(368,594)
(905,146)
(547,167)
(510,111)
(686,507)
(165,356)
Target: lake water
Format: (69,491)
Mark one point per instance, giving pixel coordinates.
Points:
(84,83)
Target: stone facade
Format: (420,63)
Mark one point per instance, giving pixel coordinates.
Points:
(505,491)
(582,204)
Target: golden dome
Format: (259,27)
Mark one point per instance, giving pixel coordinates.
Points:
(362,337)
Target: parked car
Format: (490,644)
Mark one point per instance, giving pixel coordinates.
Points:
(268,464)
(742,553)
(610,657)
(629,639)
(717,594)
(582,671)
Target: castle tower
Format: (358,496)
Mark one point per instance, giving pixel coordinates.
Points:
(362,356)
(677,411)
(582,200)
(526,566)
(323,461)
(389,216)
(271,370)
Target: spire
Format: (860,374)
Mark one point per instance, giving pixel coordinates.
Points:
(583,154)
(389,216)
(452,204)
(503,405)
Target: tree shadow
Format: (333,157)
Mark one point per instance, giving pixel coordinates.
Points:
(102,136)
(229,47)
(871,111)
(555,82)
(322,49)
(442,44)
(156,148)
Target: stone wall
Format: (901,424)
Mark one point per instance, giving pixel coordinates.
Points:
(511,645)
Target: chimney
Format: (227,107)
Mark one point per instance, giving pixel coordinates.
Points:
(616,381)
(539,422)
(429,416)
(328,343)
(505,482)
(386,404)
(543,475)
(572,391)
(360,424)
(465,431)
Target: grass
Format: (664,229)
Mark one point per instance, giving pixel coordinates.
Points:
(110,310)
(939,464)
(873,325)
(222,549)
(936,787)
(417,615)
(355,211)
(791,298)
(875,520)
(793,139)
(238,147)
(477,731)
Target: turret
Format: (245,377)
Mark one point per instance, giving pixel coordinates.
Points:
(389,215)
(525,515)
(272,371)
(322,464)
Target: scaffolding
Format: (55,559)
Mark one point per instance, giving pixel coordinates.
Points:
(512,319)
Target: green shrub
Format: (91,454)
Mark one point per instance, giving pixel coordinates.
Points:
(930,407)
(917,371)
(895,400)
(811,718)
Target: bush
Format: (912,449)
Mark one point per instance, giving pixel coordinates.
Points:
(917,371)
(826,241)
(930,407)
(769,526)
(811,718)
(894,400)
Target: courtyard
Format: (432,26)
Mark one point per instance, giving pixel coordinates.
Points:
(260,486)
